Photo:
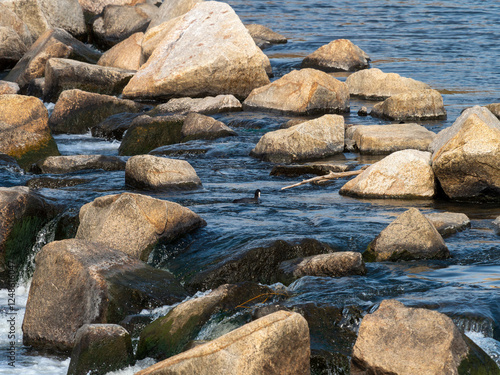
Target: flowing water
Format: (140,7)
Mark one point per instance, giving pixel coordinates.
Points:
(451,45)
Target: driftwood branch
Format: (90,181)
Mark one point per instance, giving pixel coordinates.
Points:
(326,177)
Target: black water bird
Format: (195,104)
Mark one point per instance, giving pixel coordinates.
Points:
(255,199)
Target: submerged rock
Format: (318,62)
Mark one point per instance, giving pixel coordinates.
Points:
(313,139)
(95,7)
(197,126)
(207,106)
(134,223)
(338,55)
(74,163)
(54,183)
(301,92)
(448,223)
(12,48)
(316,168)
(78,282)
(277,343)
(264,37)
(113,127)
(400,340)
(126,54)
(411,236)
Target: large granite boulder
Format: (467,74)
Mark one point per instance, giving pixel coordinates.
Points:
(448,223)
(94,7)
(134,223)
(66,15)
(25,131)
(78,282)
(264,37)
(373,84)
(12,48)
(402,340)
(338,55)
(385,139)
(156,173)
(11,20)
(172,9)
(466,156)
(411,236)
(197,126)
(207,106)
(77,111)
(74,163)
(301,92)
(207,51)
(275,344)
(125,55)
(53,43)
(313,139)
(99,349)
(403,174)
(65,74)
(412,105)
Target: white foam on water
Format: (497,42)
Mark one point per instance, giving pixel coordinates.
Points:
(37,366)
(488,344)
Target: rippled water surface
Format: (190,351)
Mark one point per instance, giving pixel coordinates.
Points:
(451,45)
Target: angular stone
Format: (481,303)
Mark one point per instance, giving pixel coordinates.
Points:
(77,111)
(339,55)
(64,74)
(126,54)
(466,156)
(156,173)
(403,174)
(207,51)
(264,37)
(400,340)
(95,7)
(30,12)
(385,139)
(301,92)
(411,236)
(198,126)
(53,43)
(8,88)
(66,15)
(74,163)
(172,9)
(277,343)
(411,105)
(494,108)
(207,106)
(313,139)
(448,223)
(78,282)
(24,127)
(12,48)
(373,84)
(10,19)
(99,349)
(134,223)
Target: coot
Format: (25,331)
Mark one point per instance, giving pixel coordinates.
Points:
(255,199)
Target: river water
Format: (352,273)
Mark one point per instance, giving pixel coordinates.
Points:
(451,45)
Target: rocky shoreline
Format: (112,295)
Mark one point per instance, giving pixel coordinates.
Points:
(167,68)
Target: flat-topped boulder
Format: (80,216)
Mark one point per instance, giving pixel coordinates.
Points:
(340,55)
(125,55)
(318,168)
(78,282)
(264,37)
(172,9)
(25,131)
(403,174)
(411,105)
(12,48)
(207,51)
(207,106)
(410,236)
(313,139)
(385,139)
(301,92)
(373,84)
(448,223)
(156,173)
(197,126)
(65,74)
(77,111)
(73,163)
(134,223)
(466,156)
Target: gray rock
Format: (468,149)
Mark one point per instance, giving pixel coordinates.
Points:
(316,168)
(66,15)
(12,48)
(73,163)
(264,37)
(339,55)
(197,126)
(207,106)
(448,223)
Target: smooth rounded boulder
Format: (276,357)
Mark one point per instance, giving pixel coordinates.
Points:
(207,51)
(410,237)
(340,55)
(134,223)
(156,173)
(403,174)
(301,92)
(312,139)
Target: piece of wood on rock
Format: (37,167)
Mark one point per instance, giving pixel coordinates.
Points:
(171,334)
(448,223)
(65,74)
(125,55)
(25,131)
(411,105)
(403,174)
(373,84)
(411,236)
(52,43)
(400,340)
(466,156)
(207,106)
(12,48)
(156,173)
(77,111)
(197,126)
(74,163)
(301,92)
(207,51)
(134,223)
(314,139)
(275,344)
(386,139)
(78,282)
(99,349)
(264,37)
(340,55)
